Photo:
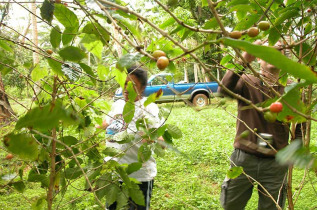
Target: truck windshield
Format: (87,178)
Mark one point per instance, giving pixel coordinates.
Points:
(159,80)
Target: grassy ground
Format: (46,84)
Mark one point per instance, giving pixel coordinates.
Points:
(187,180)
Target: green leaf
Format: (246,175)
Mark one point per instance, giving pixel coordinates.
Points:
(153,97)
(124,176)
(211,24)
(47,10)
(274,57)
(112,193)
(73,173)
(158,150)
(167,23)
(92,44)
(14,142)
(72,71)
(128,60)
(144,153)
(167,137)
(35,177)
(128,111)
(133,167)
(120,77)
(68,35)
(204,3)
(19,186)
(137,195)
(225,59)
(104,180)
(122,198)
(124,23)
(308,52)
(55,37)
(39,204)
(56,66)
(274,35)
(38,73)
(44,118)
(72,53)
(110,151)
(66,17)
(131,92)
(175,132)
(98,31)
(88,71)
(68,140)
(296,154)
(234,172)
(247,22)
(102,72)
(4,45)
(286,16)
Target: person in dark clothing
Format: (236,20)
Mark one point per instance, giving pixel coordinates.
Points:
(257,161)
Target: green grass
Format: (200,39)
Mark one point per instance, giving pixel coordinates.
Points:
(190,179)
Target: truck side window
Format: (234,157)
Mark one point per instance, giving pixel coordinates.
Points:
(159,81)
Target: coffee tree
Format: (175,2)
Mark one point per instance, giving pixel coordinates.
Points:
(84,54)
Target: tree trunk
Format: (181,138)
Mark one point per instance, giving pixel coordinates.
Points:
(196,72)
(5,108)
(186,74)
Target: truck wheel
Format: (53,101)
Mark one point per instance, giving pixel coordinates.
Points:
(200,100)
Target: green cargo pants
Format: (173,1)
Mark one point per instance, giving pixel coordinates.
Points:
(235,193)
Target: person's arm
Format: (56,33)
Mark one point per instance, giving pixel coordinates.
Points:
(231,79)
(104,125)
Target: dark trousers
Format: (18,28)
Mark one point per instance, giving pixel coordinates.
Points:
(235,193)
(146,188)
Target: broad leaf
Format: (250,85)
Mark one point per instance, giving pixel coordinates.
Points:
(73,173)
(35,177)
(120,77)
(56,66)
(128,111)
(112,193)
(39,204)
(19,186)
(38,73)
(124,176)
(103,72)
(144,153)
(175,132)
(68,35)
(55,37)
(132,94)
(98,31)
(273,56)
(72,53)
(65,16)
(44,118)
(14,142)
(88,71)
(72,71)
(286,16)
(167,23)
(92,44)
(4,45)
(136,194)
(133,167)
(234,172)
(128,60)
(153,97)
(47,10)
(296,154)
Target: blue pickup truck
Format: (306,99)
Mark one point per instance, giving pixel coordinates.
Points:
(197,93)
